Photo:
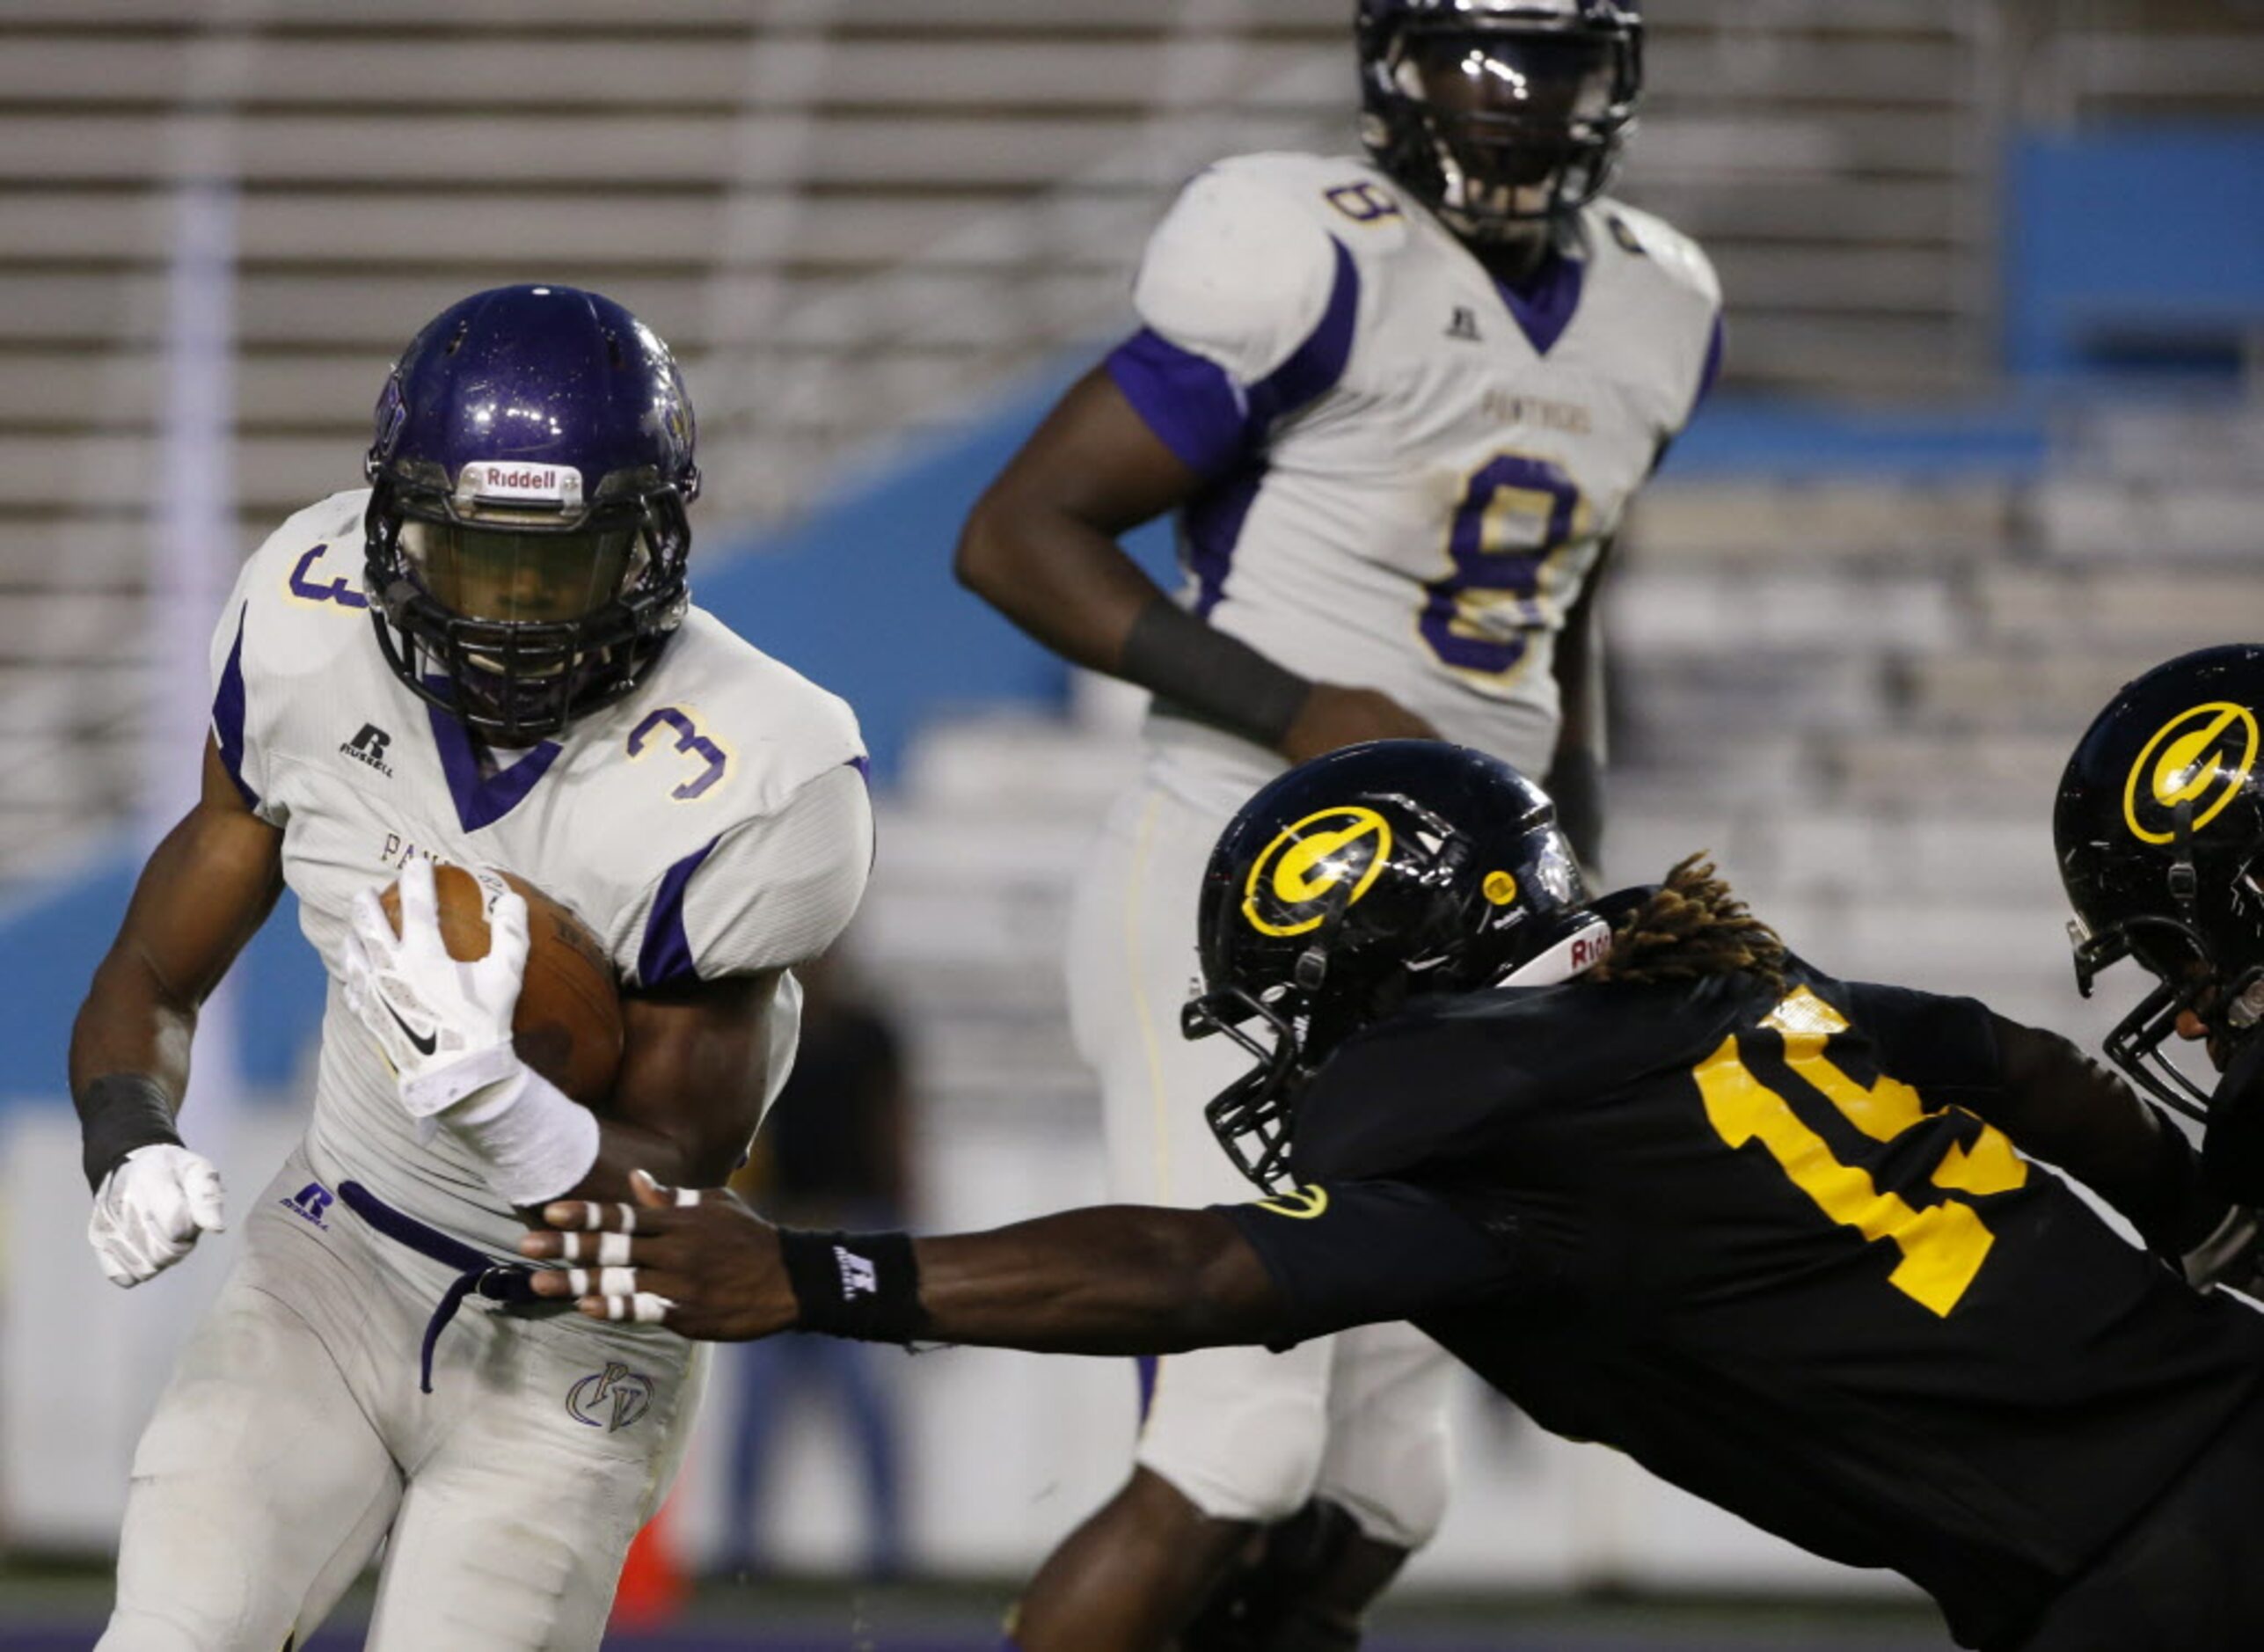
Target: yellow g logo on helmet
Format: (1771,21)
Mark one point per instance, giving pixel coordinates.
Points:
(2200,757)
(1292,887)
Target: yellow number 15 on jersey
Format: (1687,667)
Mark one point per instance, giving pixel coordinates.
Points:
(1943,1245)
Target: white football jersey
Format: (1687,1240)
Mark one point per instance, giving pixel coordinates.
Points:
(712,823)
(1411,468)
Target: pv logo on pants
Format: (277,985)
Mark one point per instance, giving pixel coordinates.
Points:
(611,1399)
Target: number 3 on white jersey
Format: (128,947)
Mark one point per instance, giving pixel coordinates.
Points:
(713,758)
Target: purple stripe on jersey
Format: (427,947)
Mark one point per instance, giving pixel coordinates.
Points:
(1711,372)
(1149,1367)
(864,767)
(1187,400)
(1213,521)
(1315,366)
(483,800)
(1194,406)
(665,958)
(1543,306)
(227,712)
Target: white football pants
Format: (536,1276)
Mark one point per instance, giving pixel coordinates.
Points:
(1244,1435)
(292,1439)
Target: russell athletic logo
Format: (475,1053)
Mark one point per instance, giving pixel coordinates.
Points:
(309,1204)
(368,749)
(1325,862)
(2198,760)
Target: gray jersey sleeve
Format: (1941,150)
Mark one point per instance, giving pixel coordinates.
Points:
(768,893)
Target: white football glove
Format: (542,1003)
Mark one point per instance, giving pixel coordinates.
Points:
(150,1210)
(445,1027)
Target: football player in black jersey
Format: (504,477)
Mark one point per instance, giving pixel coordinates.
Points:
(1668,1188)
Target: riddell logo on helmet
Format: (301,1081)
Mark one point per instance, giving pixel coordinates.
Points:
(1589,950)
(550,483)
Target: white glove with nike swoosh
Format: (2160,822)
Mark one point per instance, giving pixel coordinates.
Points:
(151,1210)
(445,1027)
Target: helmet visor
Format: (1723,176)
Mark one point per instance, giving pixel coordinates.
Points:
(512,577)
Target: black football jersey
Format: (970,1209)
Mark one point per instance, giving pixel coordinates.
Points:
(1764,1242)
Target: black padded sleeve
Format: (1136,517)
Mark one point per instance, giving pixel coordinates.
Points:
(1362,1252)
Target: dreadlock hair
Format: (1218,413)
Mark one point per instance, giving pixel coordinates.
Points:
(1690,927)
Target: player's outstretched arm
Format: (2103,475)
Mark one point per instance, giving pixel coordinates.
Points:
(207,888)
(1115,1280)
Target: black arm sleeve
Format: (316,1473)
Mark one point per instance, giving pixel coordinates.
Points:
(2055,1104)
(1361,1252)
(2232,1150)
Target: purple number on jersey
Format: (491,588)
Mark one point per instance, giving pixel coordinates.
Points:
(1481,563)
(689,738)
(336,591)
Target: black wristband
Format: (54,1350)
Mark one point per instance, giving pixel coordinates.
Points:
(117,1114)
(1202,673)
(865,1286)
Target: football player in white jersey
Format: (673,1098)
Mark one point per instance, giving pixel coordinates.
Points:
(487,657)
(1400,405)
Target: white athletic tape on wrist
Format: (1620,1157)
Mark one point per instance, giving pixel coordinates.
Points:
(537,1141)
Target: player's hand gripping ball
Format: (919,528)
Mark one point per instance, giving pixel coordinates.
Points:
(459,976)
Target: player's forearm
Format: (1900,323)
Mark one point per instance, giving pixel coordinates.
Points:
(207,888)
(2058,1106)
(1574,780)
(1060,579)
(1114,1280)
(695,1071)
(623,1147)
(131,1023)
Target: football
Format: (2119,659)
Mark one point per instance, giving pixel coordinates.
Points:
(567,1026)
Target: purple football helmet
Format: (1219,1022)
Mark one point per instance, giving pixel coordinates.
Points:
(526,536)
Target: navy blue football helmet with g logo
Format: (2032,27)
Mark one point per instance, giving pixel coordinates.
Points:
(526,537)
(1499,116)
(2159,826)
(1356,883)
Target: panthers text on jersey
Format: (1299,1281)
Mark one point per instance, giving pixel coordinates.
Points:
(1411,467)
(1762,1239)
(712,823)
